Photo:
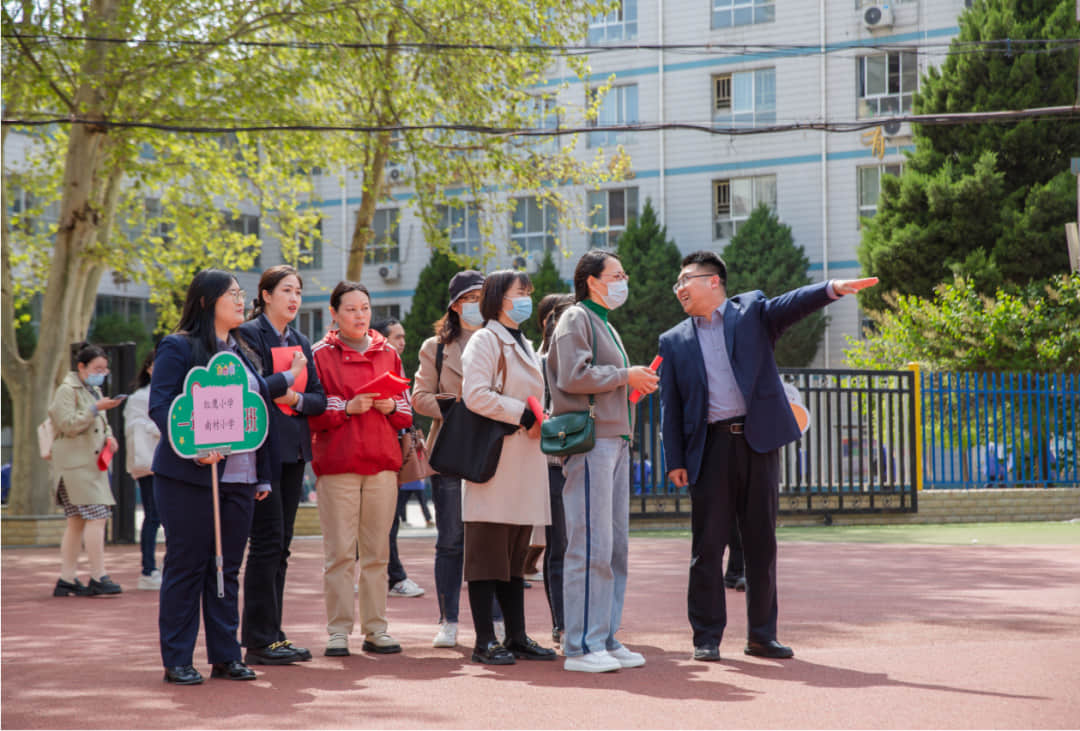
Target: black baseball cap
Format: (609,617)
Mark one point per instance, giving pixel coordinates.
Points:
(468,280)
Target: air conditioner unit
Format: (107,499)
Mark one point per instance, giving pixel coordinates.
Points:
(529,262)
(390,272)
(395,175)
(877,16)
(892,128)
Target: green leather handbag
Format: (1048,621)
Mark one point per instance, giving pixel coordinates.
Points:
(575,431)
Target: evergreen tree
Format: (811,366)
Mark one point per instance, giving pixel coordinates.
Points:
(428,305)
(546,281)
(763,255)
(1011,233)
(652,261)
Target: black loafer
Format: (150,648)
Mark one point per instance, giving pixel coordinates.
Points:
(302,653)
(527,649)
(104,586)
(68,588)
(493,654)
(707,653)
(740,585)
(183,675)
(233,670)
(772,649)
(275,653)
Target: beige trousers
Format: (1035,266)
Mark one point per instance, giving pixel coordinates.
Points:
(356,512)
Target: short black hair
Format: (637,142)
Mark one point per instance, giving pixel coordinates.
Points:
(383,326)
(591,264)
(86,352)
(494,290)
(343,288)
(709,260)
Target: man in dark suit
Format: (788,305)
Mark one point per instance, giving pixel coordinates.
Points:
(724,419)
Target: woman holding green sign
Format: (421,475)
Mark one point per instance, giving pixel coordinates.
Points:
(214,308)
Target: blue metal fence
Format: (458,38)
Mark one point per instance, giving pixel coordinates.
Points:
(1000,429)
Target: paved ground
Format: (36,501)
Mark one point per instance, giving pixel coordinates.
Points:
(886,636)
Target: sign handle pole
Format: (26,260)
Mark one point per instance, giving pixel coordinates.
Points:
(217,532)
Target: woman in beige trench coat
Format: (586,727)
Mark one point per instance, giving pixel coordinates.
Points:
(499,514)
(77,412)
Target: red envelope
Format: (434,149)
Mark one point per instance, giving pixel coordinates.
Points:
(387,385)
(105,456)
(283,356)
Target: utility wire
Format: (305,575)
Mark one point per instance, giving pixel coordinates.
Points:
(955,118)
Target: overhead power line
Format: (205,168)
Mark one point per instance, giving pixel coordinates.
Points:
(954,118)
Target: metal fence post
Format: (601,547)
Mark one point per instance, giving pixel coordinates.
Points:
(916,387)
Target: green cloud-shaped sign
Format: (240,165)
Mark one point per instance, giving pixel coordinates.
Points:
(217,409)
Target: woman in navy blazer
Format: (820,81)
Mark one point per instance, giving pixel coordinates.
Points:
(275,306)
(213,309)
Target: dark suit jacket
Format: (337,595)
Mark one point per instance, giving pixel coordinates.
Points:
(293,435)
(752,324)
(172,361)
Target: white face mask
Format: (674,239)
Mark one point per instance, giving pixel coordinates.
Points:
(470,313)
(617,292)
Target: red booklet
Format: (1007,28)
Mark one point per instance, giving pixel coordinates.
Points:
(283,356)
(105,456)
(385,386)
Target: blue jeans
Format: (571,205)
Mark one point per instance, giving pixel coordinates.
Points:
(151,523)
(596,499)
(449,545)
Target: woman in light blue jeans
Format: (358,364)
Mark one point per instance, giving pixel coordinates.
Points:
(588,368)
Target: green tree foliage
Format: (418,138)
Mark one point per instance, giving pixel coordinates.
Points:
(1010,230)
(763,255)
(117,328)
(546,281)
(960,329)
(652,262)
(428,306)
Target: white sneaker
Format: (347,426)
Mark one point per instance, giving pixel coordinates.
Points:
(627,658)
(406,588)
(151,582)
(500,631)
(447,635)
(593,662)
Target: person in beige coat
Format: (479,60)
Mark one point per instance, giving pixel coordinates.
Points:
(499,514)
(77,412)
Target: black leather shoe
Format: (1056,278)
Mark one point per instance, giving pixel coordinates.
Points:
(493,654)
(183,675)
(527,649)
(276,653)
(772,649)
(302,653)
(740,585)
(105,586)
(707,653)
(69,588)
(233,670)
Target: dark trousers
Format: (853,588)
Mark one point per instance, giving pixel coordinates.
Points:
(735,562)
(268,558)
(150,524)
(554,553)
(189,574)
(737,481)
(403,500)
(450,548)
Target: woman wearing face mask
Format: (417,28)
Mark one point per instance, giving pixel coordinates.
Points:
(268,327)
(586,358)
(499,514)
(440,372)
(77,412)
(356,456)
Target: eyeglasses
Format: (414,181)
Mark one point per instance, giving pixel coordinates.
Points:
(620,277)
(239,296)
(685,280)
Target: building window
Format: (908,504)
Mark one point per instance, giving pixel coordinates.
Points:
(886,83)
(542,112)
(310,248)
(462,225)
(736,198)
(385,312)
(246,224)
(158,228)
(619,106)
(311,324)
(33,218)
(533,225)
(385,244)
(609,213)
(744,98)
(618,25)
(870,187)
(728,13)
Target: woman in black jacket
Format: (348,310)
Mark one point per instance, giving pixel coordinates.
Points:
(275,307)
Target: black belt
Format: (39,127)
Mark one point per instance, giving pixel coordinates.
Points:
(730,426)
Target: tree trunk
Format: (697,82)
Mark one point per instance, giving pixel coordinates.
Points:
(365,215)
(30,488)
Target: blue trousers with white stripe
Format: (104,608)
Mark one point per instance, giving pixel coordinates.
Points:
(596,499)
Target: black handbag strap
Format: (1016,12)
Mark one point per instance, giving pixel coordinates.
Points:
(438,367)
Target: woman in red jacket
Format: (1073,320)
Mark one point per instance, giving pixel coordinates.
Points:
(356,458)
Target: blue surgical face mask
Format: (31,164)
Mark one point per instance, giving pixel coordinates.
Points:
(470,313)
(617,292)
(521,310)
(97,380)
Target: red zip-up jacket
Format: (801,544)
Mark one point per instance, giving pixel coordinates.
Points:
(362,444)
